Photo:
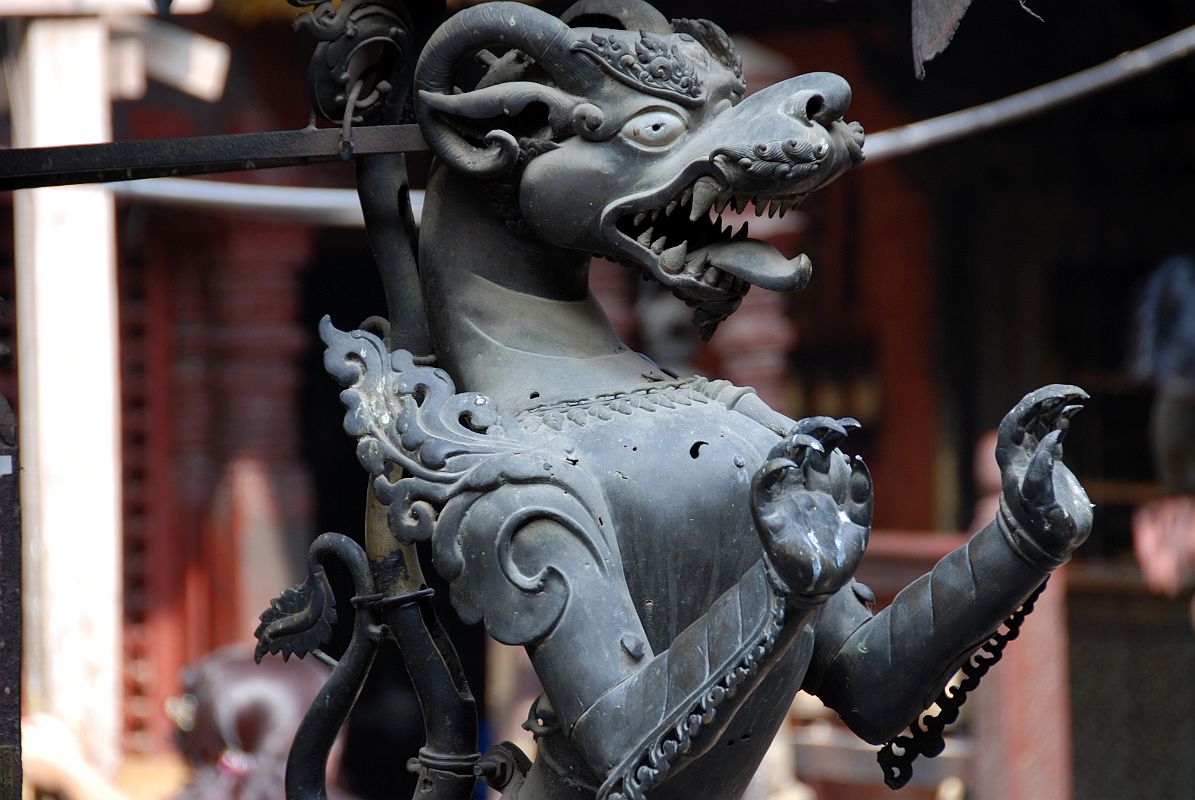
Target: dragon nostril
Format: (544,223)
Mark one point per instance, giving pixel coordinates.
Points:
(807,105)
(814,105)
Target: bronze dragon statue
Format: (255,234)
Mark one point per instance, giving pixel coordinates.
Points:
(675,556)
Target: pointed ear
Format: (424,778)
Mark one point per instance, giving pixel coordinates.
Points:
(501,105)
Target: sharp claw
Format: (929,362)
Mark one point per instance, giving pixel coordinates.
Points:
(859,507)
(1074,394)
(1070,410)
(832,432)
(810,425)
(1039,414)
(773,473)
(1063,420)
(1041,418)
(831,435)
(802,440)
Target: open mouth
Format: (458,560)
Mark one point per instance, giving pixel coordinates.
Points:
(687,239)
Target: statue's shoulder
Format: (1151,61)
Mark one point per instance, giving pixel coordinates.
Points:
(455,470)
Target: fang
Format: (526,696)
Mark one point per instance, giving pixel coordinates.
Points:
(705,192)
(672,259)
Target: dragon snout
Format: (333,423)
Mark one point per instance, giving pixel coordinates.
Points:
(778,159)
(798,135)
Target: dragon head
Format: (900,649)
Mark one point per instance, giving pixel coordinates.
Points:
(618,133)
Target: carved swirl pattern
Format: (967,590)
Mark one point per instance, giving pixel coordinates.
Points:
(437,455)
(410,416)
(654,66)
(780,160)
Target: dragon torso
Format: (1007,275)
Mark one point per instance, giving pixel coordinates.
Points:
(682,544)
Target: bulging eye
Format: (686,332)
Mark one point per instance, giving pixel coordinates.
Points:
(654,128)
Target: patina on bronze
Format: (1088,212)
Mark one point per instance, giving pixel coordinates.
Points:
(675,556)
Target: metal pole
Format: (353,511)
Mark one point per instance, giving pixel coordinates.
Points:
(10,601)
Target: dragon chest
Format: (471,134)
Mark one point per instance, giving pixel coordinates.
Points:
(675,466)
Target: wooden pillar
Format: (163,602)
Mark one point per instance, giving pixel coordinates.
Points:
(1022,714)
(67,340)
(262,510)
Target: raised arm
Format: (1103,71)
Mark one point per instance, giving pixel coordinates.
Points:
(879,673)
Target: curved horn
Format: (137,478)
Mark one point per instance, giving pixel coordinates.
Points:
(539,35)
(633,15)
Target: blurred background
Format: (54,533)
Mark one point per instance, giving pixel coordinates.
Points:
(181,444)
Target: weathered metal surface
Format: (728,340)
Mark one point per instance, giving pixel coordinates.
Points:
(157,158)
(676,557)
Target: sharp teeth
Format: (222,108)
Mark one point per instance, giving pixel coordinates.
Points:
(670,208)
(711,276)
(642,215)
(740,203)
(774,207)
(673,258)
(695,265)
(645,237)
(705,192)
(655,212)
(742,234)
(723,200)
(686,196)
(658,245)
(783,209)
(759,207)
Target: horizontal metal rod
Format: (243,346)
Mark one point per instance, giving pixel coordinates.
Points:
(158,158)
(26,168)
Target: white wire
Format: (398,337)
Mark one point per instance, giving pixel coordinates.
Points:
(902,141)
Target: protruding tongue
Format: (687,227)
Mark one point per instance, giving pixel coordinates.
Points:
(760,264)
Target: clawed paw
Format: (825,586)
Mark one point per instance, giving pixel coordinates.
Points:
(813,507)
(1042,495)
